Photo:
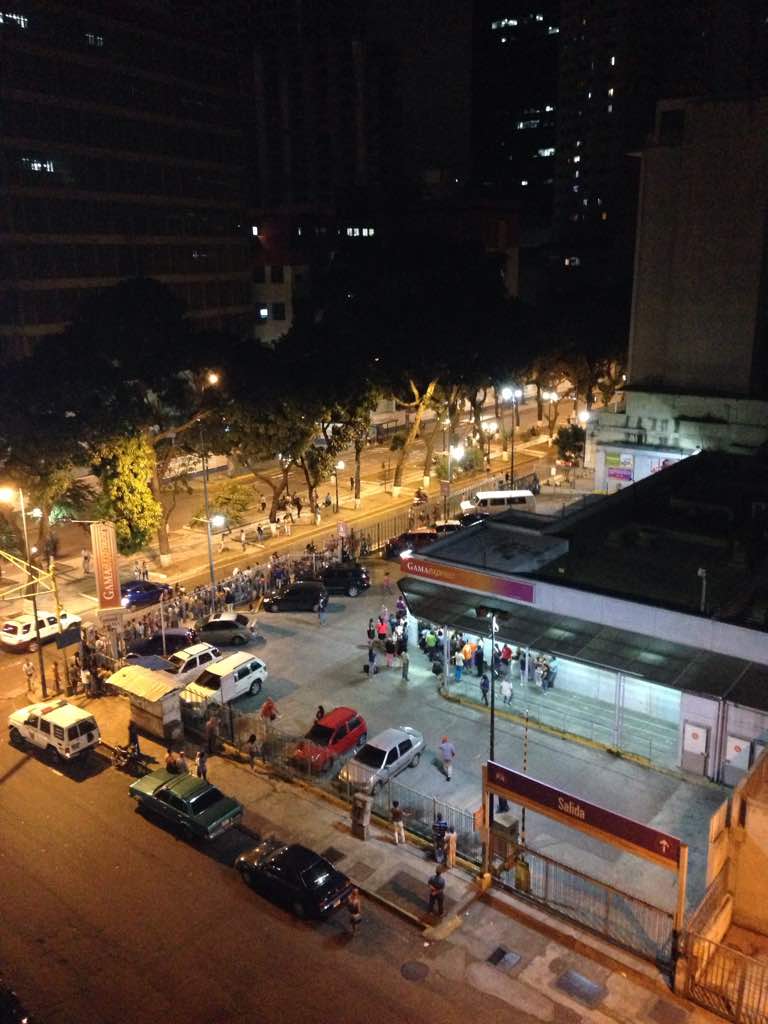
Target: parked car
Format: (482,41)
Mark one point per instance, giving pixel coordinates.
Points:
(199,809)
(175,640)
(472,518)
(411,540)
(296,877)
(226,680)
(138,593)
(382,758)
(301,596)
(188,663)
(444,526)
(229,628)
(63,730)
(345,578)
(19,633)
(338,732)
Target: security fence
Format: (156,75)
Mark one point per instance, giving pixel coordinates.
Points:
(725,981)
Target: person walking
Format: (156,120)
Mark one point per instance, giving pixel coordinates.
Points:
(85,554)
(144,571)
(243,541)
(351,484)
(387,583)
(251,750)
(29,671)
(136,570)
(484,687)
(182,765)
(133,737)
(371,631)
(437,892)
(506,691)
(355,909)
(260,533)
(447,754)
(398,825)
(479,660)
(212,734)
(458,665)
(269,712)
(321,613)
(372,670)
(201,764)
(405,662)
(439,832)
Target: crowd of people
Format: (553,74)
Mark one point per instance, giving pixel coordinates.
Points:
(387,637)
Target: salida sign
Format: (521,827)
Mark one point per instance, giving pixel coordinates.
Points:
(105,566)
(556,803)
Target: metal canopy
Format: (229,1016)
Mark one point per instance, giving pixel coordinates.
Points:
(658,661)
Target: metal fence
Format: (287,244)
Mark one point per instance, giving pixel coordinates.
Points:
(619,917)
(726,981)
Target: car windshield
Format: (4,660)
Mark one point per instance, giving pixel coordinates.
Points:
(241,620)
(317,876)
(10,628)
(176,663)
(209,681)
(206,799)
(320,734)
(371,757)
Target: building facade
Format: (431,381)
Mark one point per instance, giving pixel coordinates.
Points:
(122,154)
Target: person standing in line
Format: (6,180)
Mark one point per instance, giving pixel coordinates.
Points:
(405,661)
(506,691)
(437,892)
(354,906)
(398,825)
(447,754)
(484,687)
(371,631)
(212,734)
(479,660)
(389,650)
(182,766)
(29,671)
(201,764)
(450,848)
(144,571)
(251,751)
(371,659)
(387,583)
(458,665)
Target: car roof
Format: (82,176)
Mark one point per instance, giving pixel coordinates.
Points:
(300,857)
(315,584)
(232,661)
(336,717)
(59,712)
(387,739)
(187,786)
(193,649)
(23,619)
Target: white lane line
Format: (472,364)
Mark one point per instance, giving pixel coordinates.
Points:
(89,597)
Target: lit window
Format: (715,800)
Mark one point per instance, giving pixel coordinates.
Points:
(576,174)
(9,18)
(610,91)
(528,124)
(577,159)
(199,254)
(610,108)
(575,188)
(549,108)
(264,312)
(503,39)
(298,231)
(255,230)
(552,30)
(603,215)
(33,163)
(548,151)
(349,232)
(613,62)
(585,202)
(365,232)
(356,232)
(371,232)
(524,182)
(578,142)
(539,17)
(93,39)
(589,95)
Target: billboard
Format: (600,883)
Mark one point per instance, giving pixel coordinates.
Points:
(105,567)
(468,579)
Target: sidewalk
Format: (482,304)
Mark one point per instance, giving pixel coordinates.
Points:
(497,943)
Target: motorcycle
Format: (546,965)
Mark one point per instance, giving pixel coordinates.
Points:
(130,759)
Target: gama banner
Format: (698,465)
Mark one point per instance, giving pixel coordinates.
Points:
(468,579)
(104,545)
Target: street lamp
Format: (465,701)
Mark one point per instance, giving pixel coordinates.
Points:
(7,495)
(337,469)
(584,418)
(514,395)
(455,451)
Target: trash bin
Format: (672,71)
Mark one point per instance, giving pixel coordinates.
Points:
(361,815)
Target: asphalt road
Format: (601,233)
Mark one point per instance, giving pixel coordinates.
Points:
(109,918)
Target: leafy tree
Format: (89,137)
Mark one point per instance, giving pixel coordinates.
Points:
(570,443)
(125,466)
(232,501)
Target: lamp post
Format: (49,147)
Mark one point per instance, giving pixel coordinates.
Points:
(584,417)
(204,456)
(336,470)
(514,395)
(489,429)
(6,496)
(455,451)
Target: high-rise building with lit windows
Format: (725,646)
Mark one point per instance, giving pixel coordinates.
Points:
(514,101)
(122,153)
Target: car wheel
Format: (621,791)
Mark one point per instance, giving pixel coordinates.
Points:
(299,909)
(32,646)
(415,760)
(272,608)
(353,591)
(16,738)
(255,686)
(238,641)
(53,755)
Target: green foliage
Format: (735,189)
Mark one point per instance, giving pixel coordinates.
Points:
(397,442)
(570,442)
(232,501)
(125,466)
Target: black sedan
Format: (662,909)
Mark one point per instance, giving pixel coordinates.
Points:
(301,596)
(295,876)
(175,640)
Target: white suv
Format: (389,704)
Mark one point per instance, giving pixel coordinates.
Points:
(20,634)
(63,730)
(187,664)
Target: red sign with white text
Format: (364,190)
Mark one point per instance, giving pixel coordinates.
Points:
(104,544)
(468,579)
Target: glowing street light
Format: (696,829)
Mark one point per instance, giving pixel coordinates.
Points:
(512,395)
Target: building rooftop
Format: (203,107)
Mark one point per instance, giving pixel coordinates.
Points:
(648,542)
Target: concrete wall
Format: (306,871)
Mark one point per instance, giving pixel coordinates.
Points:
(700,250)
(750,855)
(701,711)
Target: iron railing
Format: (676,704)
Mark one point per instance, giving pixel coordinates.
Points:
(726,981)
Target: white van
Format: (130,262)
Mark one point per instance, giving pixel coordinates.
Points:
(63,730)
(493,502)
(226,680)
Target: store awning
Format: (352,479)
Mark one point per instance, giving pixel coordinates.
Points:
(659,661)
(143,682)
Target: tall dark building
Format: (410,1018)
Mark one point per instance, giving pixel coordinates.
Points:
(514,100)
(123,154)
(618,58)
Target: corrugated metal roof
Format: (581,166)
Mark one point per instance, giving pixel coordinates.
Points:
(676,666)
(143,682)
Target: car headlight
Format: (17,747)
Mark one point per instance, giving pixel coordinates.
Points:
(125,601)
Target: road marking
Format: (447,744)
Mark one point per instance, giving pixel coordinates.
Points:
(89,597)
